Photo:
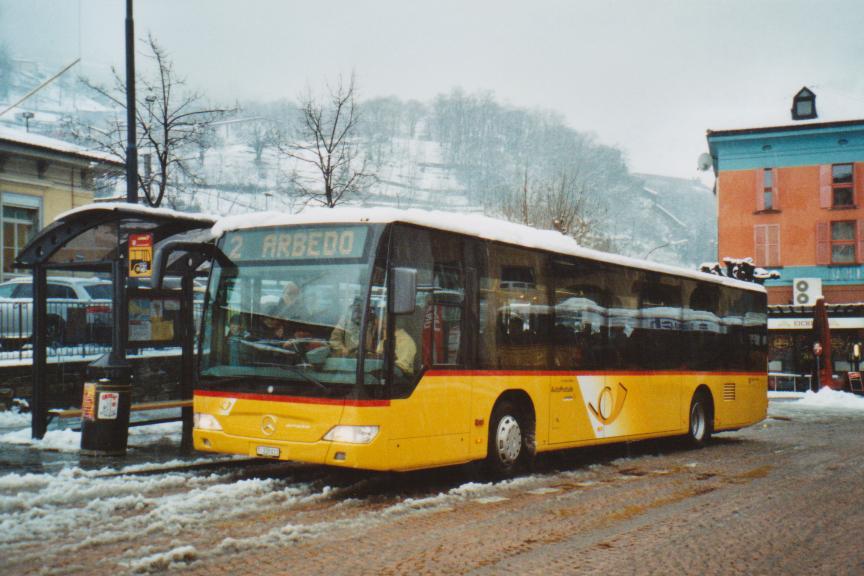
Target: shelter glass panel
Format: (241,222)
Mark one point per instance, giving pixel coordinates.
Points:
(96,245)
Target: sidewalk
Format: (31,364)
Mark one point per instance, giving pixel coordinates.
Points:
(154,446)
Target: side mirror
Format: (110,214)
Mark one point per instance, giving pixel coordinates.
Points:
(404,290)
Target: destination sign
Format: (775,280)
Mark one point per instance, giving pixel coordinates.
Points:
(296,243)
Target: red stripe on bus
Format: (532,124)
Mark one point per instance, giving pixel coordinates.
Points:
(434,373)
(293,399)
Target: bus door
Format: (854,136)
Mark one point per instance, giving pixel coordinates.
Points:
(433,406)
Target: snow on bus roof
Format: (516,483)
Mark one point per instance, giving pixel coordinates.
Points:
(468,224)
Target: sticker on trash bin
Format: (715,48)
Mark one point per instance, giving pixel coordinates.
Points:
(109,403)
(88,403)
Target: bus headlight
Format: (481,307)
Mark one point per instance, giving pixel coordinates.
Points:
(352,434)
(205,421)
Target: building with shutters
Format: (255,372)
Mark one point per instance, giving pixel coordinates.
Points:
(790,194)
(41,178)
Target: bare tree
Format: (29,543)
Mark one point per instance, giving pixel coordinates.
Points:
(172,126)
(568,208)
(259,134)
(328,145)
(519,206)
(565,202)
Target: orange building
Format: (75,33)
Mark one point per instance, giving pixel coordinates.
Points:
(791,196)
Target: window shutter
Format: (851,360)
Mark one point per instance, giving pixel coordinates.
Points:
(775,190)
(857,183)
(760,189)
(860,247)
(825,186)
(760,238)
(823,243)
(772,248)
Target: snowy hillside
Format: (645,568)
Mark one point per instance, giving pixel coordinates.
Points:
(457,152)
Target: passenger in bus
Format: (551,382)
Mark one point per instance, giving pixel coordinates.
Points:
(291,305)
(345,339)
(274,328)
(236,333)
(405,350)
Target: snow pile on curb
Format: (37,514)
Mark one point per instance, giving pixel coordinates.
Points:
(67,440)
(18,416)
(56,440)
(828,398)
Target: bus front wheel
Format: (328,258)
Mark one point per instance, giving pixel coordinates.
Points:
(509,440)
(701,426)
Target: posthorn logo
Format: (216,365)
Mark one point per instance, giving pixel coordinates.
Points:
(609,404)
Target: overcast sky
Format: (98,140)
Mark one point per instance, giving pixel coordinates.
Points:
(647,76)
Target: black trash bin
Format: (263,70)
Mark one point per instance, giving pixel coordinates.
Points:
(105,418)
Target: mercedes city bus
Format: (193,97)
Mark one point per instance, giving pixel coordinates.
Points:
(398,340)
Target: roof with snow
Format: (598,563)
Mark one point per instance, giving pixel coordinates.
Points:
(15,137)
(161,222)
(468,224)
(132,210)
(834,107)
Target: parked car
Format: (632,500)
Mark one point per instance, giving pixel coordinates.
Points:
(78,310)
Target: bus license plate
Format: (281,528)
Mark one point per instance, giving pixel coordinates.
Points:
(267,451)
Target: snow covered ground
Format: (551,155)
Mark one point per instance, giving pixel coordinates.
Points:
(67,440)
(158,515)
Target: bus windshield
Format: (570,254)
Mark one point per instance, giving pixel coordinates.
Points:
(284,320)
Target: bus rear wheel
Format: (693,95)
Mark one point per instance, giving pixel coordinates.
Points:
(701,426)
(509,449)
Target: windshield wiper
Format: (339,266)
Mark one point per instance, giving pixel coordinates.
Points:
(222,380)
(264,378)
(307,377)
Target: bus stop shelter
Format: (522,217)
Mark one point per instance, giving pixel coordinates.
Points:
(96,239)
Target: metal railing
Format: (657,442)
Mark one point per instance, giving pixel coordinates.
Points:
(788,382)
(75,330)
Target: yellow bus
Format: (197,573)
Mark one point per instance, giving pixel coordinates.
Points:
(506,342)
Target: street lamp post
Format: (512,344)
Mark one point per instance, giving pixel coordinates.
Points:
(131,147)
(108,435)
(27,116)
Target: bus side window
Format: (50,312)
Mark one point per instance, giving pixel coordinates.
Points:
(658,333)
(702,326)
(516,311)
(579,326)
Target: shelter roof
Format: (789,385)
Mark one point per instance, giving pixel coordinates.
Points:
(71,225)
